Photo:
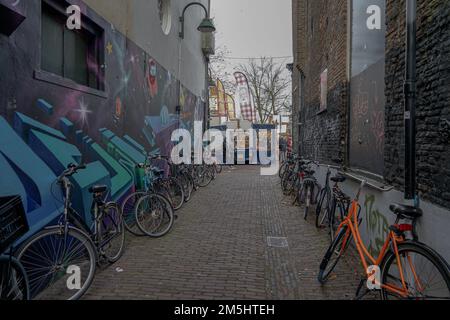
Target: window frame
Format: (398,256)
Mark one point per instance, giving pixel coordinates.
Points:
(92,28)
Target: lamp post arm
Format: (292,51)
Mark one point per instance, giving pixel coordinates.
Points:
(184,11)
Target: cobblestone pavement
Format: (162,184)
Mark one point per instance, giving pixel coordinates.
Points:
(219,249)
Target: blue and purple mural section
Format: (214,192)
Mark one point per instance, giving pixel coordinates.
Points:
(45,125)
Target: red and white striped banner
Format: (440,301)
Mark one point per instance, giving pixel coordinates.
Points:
(244,97)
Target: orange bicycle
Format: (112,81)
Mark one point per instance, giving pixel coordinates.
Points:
(405,268)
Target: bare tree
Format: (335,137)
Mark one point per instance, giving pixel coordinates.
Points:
(219,69)
(269,85)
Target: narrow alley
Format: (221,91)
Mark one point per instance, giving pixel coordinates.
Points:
(219,249)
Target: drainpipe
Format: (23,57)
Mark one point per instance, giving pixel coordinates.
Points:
(206,125)
(410,92)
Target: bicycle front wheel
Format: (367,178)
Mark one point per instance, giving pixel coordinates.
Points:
(176,192)
(129,213)
(205,176)
(334,254)
(13,280)
(59,266)
(154,215)
(322,209)
(425,273)
(307,201)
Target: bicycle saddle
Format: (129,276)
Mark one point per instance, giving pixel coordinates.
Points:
(406,211)
(98,189)
(338,179)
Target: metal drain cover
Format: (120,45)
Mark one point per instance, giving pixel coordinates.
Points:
(277,242)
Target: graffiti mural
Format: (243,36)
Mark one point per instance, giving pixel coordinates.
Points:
(46,125)
(377,226)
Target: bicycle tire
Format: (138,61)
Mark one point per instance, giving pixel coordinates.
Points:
(188,186)
(308,201)
(146,208)
(205,177)
(176,191)
(116,225)
(39,286)
(16,286)
(282,169)
(128,211)
(429,254)
(322,208)
(326,268)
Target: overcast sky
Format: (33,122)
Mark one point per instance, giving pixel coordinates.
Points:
(254,28)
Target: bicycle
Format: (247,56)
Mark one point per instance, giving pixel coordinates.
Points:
(336,200)
(170,186)
(399,262)
(14,283)
(61,260)
(147,212)
(306,190)
(292,176)
(324,201)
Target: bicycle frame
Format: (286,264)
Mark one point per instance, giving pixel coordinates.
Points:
(71,216)
(392,240)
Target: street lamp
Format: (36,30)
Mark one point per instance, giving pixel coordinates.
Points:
(206,26)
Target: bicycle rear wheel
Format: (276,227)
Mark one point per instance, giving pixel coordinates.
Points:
(334,254)
(59,266)
(154,215)
(112,232)
(13,280)
(426,274)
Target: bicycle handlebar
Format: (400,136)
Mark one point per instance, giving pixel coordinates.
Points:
(71,170)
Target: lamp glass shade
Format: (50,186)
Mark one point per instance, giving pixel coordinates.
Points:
(206,25)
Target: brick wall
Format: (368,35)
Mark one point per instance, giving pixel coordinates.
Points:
(320,42)
(433,107)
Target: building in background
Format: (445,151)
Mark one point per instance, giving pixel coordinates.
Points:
(348,77)
(103,95)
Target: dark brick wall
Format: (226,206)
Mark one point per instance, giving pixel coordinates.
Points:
(433,108)
(320,42)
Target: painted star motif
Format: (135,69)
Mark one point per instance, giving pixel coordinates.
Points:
(109,48)
(83,111)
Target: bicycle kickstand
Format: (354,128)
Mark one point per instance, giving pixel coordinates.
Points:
(360,293)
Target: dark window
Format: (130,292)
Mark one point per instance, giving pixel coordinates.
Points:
(71,54)
(367,88)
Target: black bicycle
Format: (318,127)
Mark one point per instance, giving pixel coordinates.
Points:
(61,260)
(14,283)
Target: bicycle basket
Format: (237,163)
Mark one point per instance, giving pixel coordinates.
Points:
(13,221)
